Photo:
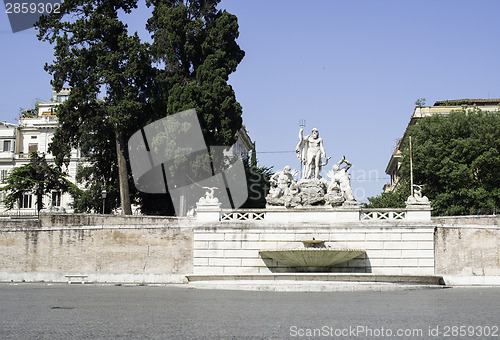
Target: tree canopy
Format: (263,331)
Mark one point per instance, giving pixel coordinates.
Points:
(257,182)
(187,65)
(391,199)
(456,158)
(93,54)
(195,50)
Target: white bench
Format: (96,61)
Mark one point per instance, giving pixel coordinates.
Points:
(76,278)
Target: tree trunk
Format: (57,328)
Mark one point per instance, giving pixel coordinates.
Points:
(123,177)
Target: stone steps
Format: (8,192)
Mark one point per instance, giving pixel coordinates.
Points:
(315,282)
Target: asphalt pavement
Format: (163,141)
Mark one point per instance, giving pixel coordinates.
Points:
(63,311)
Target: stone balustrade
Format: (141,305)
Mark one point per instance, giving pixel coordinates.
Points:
(412,213)
(382,214)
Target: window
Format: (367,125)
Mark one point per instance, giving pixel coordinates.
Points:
(4,174)
(56,198)
(33,137)
(32,147)
(7,144)
(26,200)
(62,98)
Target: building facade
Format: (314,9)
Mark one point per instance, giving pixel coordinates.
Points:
(242,146)
(439,108)
(34,132)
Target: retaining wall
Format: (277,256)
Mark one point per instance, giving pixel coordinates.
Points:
(489,220)
(112,253)
(468,255)
(150,249)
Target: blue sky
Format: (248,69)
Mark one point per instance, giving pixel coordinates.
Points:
(352,69)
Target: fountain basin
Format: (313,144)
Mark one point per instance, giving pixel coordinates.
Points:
(311,257)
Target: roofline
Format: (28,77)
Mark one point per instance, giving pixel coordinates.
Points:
(8,124)
(467,101)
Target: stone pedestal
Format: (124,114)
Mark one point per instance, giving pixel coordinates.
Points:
(418,212)
(208,212)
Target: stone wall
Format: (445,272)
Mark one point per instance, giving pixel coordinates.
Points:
(490,220)
(468,254)
(121,253)
(233,248)
(55,219)
(162,250)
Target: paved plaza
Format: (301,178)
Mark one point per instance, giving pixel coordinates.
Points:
(62,311)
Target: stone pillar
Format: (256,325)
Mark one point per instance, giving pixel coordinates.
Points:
(418,212)
(208,212)
(418,209)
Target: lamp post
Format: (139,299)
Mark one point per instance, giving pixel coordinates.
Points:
(37,188)
(103,195)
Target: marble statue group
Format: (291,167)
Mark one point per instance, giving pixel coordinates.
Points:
(311,189)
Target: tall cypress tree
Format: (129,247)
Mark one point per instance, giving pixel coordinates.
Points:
(195,44)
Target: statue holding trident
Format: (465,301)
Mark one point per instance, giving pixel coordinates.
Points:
(310,151)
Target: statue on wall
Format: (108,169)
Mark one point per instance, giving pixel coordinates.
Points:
(341,179)
(310,151)
(284,188)
(417,197)
(281,181)
(209,197)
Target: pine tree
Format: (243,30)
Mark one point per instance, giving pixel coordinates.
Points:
(94,53)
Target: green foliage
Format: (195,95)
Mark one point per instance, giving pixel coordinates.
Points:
(420,102)
(188,64)
(155,204)
(257,184)
(391,199)
(93,54)
(90,200)
(37,176)
(27,113)
(31,113)
(458,102)
(253,159)
(257,181)
(457,159)
(195,46)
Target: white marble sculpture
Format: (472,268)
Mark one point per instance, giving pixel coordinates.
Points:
(341,178)
(417,198)
(311,189)
(310,152)
(209,198)
(281,181)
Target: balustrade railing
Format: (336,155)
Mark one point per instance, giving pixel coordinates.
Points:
(242,215)
(364,215)
(382,214)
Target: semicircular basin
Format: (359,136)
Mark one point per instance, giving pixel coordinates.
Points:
(311,257)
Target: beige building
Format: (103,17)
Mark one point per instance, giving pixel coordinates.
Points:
(440,108)
(242,146)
